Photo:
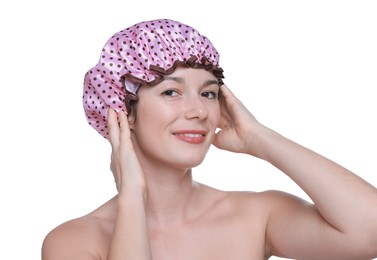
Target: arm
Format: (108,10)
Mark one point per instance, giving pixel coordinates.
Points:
(130,236)
(342,224)
(83,238)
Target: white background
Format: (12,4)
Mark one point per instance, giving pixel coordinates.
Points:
(304,68)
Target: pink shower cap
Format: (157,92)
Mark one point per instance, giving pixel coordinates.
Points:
(141,55)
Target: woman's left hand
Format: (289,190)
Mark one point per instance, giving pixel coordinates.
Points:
(238,127)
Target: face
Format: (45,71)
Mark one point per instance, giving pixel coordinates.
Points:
(176,119)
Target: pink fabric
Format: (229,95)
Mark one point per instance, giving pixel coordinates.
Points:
(142,54)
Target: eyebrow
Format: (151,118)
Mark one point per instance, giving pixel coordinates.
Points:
(181,80)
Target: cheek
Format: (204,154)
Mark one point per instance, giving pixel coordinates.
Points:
(152,117)
(146,128)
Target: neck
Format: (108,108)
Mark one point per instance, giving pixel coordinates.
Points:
(171,196)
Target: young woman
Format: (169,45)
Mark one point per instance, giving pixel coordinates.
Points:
(157,95)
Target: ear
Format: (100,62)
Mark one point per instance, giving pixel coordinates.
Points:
(131,118)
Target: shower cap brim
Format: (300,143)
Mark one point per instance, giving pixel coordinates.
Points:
(142,55)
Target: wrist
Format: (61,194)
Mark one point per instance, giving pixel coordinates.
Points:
(132,195)
(260,141)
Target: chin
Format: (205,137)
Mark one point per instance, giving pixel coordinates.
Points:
(189,162)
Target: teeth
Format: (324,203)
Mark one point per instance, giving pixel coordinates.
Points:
(191,135)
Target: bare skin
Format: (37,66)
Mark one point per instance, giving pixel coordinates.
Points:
(164,214)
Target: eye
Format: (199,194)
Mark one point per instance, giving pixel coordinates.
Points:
(169,93)
(209,94)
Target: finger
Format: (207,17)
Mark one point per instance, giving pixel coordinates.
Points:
(123,122)
(113,125)
(231,104)
(224,110)
(226,96)
(226,92)
(124,128)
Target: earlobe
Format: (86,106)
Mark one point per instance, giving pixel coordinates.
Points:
(131,122)
(131,119)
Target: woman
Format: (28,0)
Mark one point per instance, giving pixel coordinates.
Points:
(157,95)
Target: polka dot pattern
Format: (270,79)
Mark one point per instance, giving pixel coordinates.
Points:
(142,54)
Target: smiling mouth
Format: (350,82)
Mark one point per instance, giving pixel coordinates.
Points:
(192,137)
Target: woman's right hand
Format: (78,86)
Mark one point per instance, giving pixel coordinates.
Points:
(130,235)
(125,165)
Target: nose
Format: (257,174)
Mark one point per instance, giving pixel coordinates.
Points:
(195,108)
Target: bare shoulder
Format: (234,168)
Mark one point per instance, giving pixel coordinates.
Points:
(244,217)
(257,207)
(281,201)
(263,199)
(84,238)
(243,203)
(274,202)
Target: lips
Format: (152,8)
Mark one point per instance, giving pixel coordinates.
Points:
(191,136)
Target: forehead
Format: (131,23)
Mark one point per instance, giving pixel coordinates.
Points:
(190,75)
